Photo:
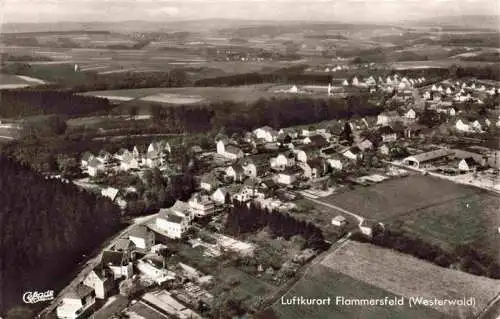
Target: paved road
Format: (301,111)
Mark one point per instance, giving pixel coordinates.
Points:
(92,263)
(492,311)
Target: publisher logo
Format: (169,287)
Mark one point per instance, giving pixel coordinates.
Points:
(35,296)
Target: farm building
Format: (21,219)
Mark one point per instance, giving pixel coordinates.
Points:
(424,158)
(339,221)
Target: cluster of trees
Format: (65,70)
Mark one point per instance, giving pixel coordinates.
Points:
(464,257)
(243,219)
(22,103)
(45,228)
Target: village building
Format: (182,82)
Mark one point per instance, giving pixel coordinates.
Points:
(100,279)
(387,134)
(78,303)
(266,133)
(201,206)
(118,262)
(229,151)
(209,182)
(95,166)
(172,224)
(353,153)
(423,159)
(142,238)
(339,221)
(288,176)
(467,164)
(387,118)
(235,173)
(220,195)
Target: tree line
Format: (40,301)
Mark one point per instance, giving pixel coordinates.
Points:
(464,257)
(46,226)
(22,103)
(243,219)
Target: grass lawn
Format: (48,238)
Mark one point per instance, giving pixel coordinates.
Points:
(322,282)
(471,220)
(397,197)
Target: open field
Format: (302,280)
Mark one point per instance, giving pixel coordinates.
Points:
(397,197)
(471,220)
(188,95)
(8,81)
(322,282)
(408,276)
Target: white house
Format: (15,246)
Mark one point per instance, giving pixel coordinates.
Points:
(128,162)
(335,163)
(411,115)
(95,166)
(235,172)
(219,196)
(463,126)
(288,176)
(181,209)
(467,164)
(101,280)
(142,238)
(266,133)
(339,221)
(345,83)
(201,205)
(387,134)
(355,81)
(300,155)
(282,161)
(353,153)
(229,151)
(172,224)
(209,182)
(77,303)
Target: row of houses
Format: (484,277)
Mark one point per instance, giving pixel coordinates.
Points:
(154,156)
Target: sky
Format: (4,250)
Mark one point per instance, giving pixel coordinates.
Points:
(311,10)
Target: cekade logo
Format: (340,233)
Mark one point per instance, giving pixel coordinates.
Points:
(34,297)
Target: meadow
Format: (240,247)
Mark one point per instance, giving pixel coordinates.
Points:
(470,220)
(408,276)
(321,282)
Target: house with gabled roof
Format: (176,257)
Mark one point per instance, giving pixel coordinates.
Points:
(288,176)
(128,162)
(125,245)
(235,173)
(142,237)
(353,153)
(118,262)
(182,209)
(201,205)
(463,125)
(467,164)
(387,133)
(229,151)
(79,302)
(173,225)
(220,196)
(95,166)
(100,279)
(318,141)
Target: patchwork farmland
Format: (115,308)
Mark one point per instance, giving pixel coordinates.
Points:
(408,276)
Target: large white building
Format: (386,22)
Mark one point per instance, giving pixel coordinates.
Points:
(173,225)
